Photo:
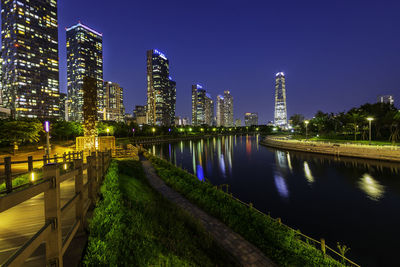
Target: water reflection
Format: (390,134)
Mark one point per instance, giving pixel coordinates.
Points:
(308,173)
(371,187)
(281,186)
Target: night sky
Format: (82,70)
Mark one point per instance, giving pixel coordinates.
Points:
(335,54)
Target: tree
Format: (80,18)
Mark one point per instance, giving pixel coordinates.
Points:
(356,117)
(395,127)
(17,132)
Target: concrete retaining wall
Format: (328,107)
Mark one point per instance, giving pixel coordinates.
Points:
(390,153)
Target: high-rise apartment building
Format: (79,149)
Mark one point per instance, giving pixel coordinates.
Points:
(209,113)
(84,59)
(238,123)
(250,119)
(228,109)
(386,99)
(161,90)
(202,106)
(63,106)
(220,120)
(280,116)
(29,33)
(114,102)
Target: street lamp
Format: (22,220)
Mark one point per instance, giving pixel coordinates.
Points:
(153,130)
(47,130)
(108,131)
(306,122)
(370,119)
(133,132)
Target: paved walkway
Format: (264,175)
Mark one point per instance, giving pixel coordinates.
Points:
(242,250)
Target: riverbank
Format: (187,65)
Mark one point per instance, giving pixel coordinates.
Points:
(388,153)
(280,243)
(167,138)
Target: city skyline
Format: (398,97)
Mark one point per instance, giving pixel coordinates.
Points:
(333,80)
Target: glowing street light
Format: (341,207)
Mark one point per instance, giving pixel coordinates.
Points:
(153,130)
(108,131)
(306,122)
(47,130)
(370,119)
(32,177)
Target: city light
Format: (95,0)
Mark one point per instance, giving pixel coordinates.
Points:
(65,166)
(47,126)
(32,176)
(153,129)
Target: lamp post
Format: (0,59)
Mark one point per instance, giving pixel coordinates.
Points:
(153,130)
(47,130)
(133,132)
(370,121)
(306,122)
(108,131)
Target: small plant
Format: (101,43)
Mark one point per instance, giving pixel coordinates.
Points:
(343,250)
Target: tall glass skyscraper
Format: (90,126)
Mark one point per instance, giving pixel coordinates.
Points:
(84,59)
(228,106)
(202,106)
(114,102)
(29,32)
(280,116)
(161,90)
(220,120)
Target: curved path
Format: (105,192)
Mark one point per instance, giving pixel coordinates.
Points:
(245,253)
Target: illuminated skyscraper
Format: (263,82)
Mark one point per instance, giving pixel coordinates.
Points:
(84,59)
(228,109)
(202,106)
(30,54)
(161,90)
(209,113)
(280,116)
(114,102)
(220,111)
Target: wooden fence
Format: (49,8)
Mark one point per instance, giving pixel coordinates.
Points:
(85,195)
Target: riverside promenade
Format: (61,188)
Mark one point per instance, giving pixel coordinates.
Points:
(244,252)
(388,153)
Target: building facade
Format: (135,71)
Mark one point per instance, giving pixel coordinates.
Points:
(30,54)
(238,123)
(386,99)
(280,114)
(114,102)
(228,109)
(220,116)
(84,59)
(161,90)
(63,106)
(250,119)
(202,106)
(139,115)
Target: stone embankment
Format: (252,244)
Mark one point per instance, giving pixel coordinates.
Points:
(390,153)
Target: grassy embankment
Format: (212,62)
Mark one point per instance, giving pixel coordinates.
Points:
(278,242)
(133,225)
(345,141)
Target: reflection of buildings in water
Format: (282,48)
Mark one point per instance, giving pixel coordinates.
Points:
(257,144)
(154,150)
(280,159)
(222,164)
(181,146)
(281,186)
(248,145)
(289,162)
(308,173)
(371,187)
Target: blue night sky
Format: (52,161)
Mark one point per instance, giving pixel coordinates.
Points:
(335,54)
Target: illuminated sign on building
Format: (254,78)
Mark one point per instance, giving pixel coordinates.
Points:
(160,54)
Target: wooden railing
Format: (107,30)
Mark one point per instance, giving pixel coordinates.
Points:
(85,195)
(8,164)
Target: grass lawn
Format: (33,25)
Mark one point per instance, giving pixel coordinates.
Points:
(151,231)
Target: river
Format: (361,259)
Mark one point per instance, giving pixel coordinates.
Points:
(352,201)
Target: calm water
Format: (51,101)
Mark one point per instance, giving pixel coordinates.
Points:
(353,201)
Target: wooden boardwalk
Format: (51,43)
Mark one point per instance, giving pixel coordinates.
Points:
(245,253)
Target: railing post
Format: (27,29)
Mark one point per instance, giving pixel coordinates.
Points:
(69,155)
(44,160)
(103,167)
(64,157)
(52,212)
(323,249)
(90,178)
(78,165)
(55,158)
(7,171)
(30,164)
